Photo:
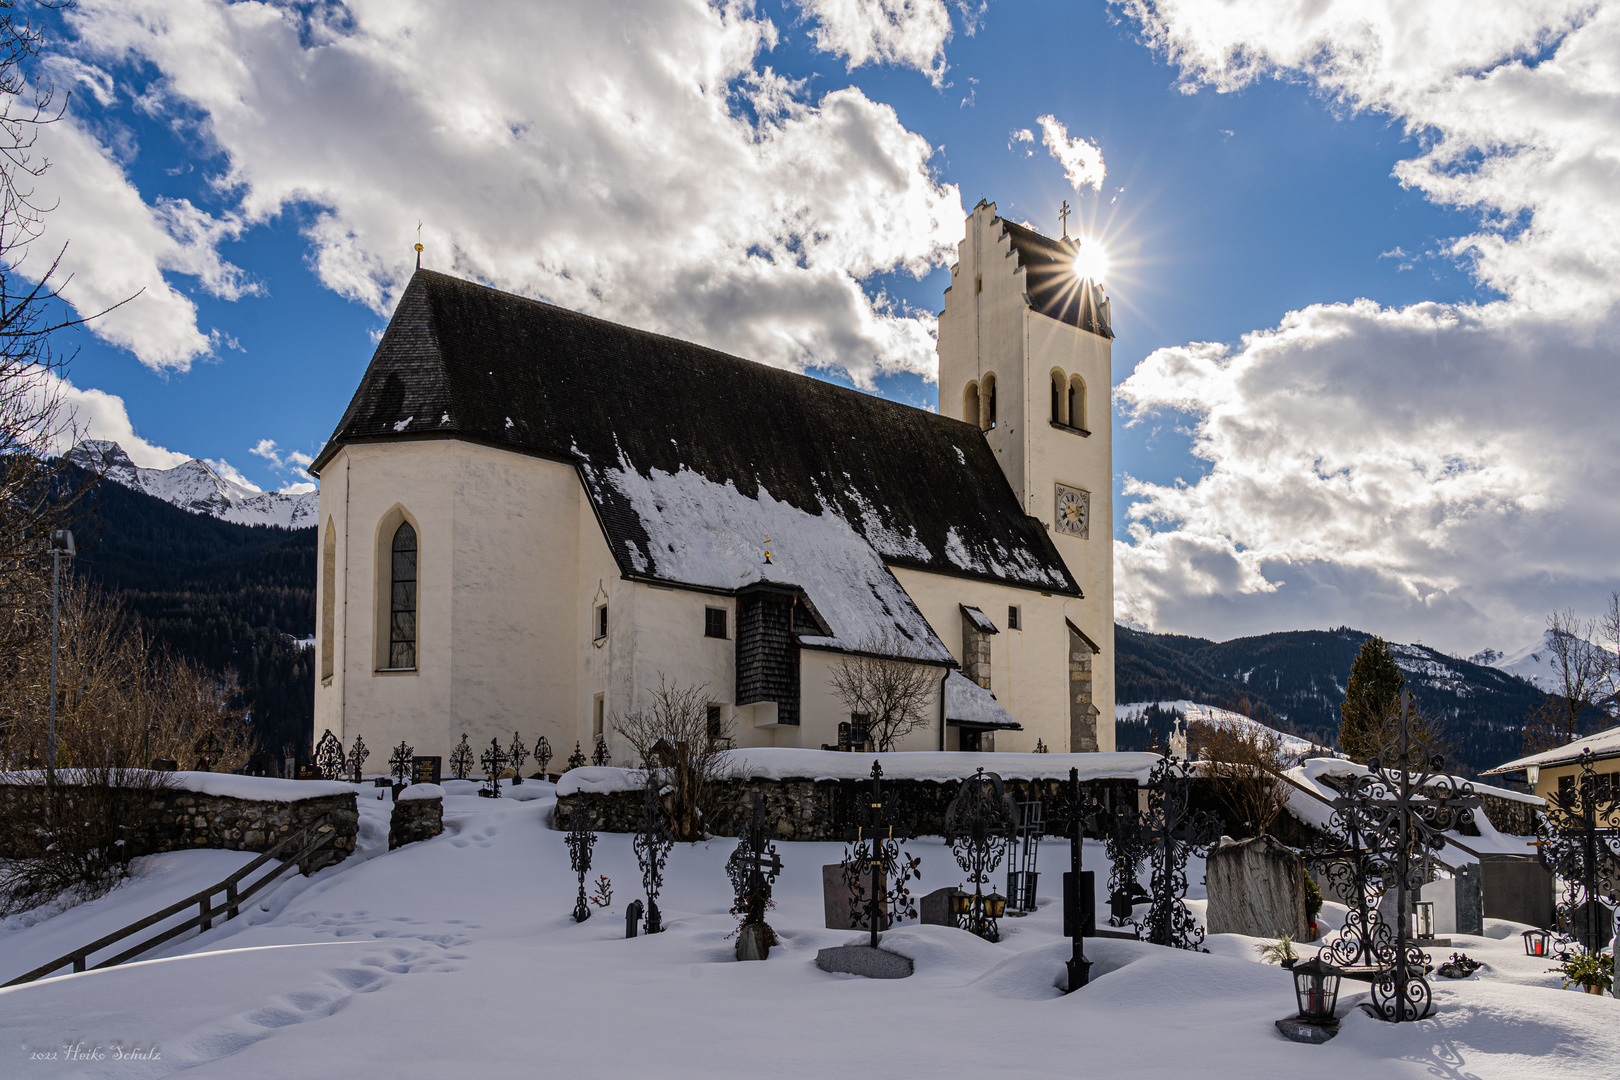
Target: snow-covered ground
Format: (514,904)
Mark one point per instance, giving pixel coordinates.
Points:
(457,957)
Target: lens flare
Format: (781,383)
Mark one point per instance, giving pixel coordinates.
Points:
(1091,261)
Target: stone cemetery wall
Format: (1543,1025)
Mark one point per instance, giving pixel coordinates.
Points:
(1256,887)
(182,820)
(418,814)
(819,809)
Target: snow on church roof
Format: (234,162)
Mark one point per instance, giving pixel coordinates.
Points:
(691,457)
(966,702)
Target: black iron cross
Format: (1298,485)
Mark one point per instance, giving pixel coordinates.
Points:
(1576,845)
(753,867)
(876,850)
(1079,810)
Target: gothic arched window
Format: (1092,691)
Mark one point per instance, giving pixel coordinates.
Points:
(970,403)
(402,600)
(987,393)
(328,601)
(1077,403)
(1058,415)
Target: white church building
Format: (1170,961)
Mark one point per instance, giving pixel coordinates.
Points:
(528,516)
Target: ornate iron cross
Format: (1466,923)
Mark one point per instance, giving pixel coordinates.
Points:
(652,844)
(1580,843)
(1079,810)
(580,842)
(753,867)
(1169,833)
(873,848)
(979,824)
(329,756)
(399,762)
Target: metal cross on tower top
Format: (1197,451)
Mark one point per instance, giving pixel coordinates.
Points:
(1064,214)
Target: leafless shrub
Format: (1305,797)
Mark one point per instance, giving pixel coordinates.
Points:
(683,748)
(71,834)
(1243,760)
(892,692)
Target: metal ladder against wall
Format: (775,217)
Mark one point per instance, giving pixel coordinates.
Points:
(306,841)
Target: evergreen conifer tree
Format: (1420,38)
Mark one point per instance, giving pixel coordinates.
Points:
(1372,694)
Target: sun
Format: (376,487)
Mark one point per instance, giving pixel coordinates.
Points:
(1091,261)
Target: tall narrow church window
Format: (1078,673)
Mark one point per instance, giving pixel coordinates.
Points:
(1058,398)
(988,393)
(402,601)
(328,601)
(970,403)
(1077,403)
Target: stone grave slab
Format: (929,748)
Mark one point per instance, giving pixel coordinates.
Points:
(935,908)
(836,900)
(865,961)
(1458,907)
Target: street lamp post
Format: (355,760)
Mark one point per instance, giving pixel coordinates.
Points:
(61,543)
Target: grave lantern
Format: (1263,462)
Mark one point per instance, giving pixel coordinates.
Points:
(995,905)
(1423,919)
(961,903)
(1316,986)
(1537,943)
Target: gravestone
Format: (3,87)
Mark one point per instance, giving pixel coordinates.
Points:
(425,770)
(1256,887)
(837,899)
(310,772)
(1457,902)
(936,907)
(1516,887)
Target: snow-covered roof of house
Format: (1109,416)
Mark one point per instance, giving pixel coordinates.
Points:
(692,457)
(1605,744)
(967,704)
(981,622)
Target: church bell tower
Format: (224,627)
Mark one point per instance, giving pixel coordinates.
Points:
(1024,350)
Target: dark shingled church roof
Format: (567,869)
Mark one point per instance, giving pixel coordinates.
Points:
(632,409)
(1050,282)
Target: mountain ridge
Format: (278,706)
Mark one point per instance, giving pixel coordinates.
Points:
(198,487)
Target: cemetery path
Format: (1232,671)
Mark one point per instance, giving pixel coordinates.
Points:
(457,956)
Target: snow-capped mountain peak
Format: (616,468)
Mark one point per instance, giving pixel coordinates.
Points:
(196,486)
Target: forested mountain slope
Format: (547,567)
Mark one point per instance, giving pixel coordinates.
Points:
(1297,677)
(227,595)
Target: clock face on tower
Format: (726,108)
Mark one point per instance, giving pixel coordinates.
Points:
(1073,514)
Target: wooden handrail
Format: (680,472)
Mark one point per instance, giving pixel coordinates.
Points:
(202,899)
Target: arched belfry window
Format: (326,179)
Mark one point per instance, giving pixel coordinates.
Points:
(970,403)
(1058,415)
(1077,403)
(987,393)
(402,600)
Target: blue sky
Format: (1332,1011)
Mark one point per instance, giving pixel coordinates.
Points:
(1263,192)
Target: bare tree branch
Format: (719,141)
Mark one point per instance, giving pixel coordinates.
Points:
(892,692)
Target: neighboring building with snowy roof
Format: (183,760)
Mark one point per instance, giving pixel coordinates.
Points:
(1555,769)
(528,515)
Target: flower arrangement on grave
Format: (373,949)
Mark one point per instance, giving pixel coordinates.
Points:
(461,760)
(1460,966)
(329,756)
(576,760)
(1280,952)
(1313,903)
(493,762)
(603,896)
(357,757)
(1591,971)
(542,754)
(399,763)
(516,754)
(580,842)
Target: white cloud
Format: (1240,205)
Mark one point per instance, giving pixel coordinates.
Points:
(907,33)
(592,154)
(1082,160)
(93,414)
(289,461)
(1442,470)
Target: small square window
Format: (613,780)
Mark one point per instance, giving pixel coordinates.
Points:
(1012,618)
(714,622)
(601,622)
